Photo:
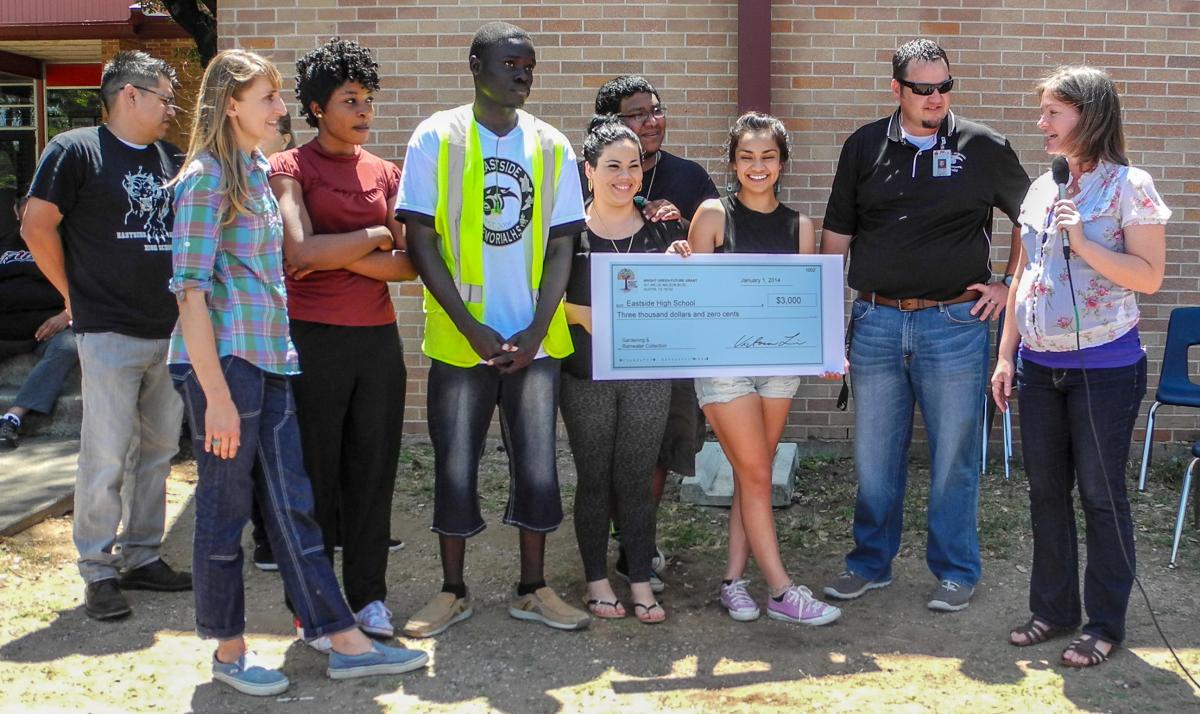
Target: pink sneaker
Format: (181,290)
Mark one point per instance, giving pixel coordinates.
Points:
(799,605)
(738,602)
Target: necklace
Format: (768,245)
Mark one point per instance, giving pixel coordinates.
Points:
(610,232)
(653,173)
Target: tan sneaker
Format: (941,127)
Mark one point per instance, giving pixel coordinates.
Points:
(442,611)
(546,607)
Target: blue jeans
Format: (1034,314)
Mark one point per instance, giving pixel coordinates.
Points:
(1061,452)
(130,431)
(936,358)
(42,386)
(461,401)
(268,467)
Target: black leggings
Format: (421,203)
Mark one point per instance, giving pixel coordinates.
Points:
(615,429)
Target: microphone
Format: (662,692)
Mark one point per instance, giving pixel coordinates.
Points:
(1062,177)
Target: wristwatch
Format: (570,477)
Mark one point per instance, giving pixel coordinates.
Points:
(1008,280)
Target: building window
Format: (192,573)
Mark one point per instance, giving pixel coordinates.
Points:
(18,132)
(71,108)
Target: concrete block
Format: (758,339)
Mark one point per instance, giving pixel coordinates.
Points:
(38,481)
(713,483)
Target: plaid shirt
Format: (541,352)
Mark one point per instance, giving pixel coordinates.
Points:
(238,265)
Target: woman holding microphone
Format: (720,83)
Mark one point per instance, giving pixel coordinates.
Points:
(1070,340)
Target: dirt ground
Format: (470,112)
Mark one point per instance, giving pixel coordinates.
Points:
(887,653)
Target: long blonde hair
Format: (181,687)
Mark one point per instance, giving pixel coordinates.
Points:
(228,74)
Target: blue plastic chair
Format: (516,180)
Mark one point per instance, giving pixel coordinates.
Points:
(1174,386)
(1183,503)
(989,413)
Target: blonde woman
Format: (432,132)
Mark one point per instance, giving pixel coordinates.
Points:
(232,358)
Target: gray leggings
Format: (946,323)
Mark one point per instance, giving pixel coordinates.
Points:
(615,429)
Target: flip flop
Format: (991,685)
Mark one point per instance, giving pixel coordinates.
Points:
(644,616)
(594,606)
(1088,649)
(1036,632)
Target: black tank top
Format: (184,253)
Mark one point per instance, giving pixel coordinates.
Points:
(748,231)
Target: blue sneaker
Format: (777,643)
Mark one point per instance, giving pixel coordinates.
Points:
(248,676)
(381,660)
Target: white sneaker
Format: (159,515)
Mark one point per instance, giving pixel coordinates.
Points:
(321,644)
(375,619)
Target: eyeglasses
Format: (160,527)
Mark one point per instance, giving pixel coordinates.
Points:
(657,111)
(924,89)
(166,99)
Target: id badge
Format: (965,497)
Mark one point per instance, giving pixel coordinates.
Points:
(942,159)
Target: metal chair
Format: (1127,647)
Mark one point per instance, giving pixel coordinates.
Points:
(1174,386)
(1183,503)
(989,413)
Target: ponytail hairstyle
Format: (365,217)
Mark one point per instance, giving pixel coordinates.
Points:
(603,131)
(757,121)
(227,76)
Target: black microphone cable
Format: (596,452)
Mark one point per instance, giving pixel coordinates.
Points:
(1112,502)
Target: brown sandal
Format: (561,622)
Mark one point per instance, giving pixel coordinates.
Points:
(1087,648)
(1036,632)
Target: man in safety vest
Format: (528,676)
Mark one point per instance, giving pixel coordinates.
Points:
(491,202)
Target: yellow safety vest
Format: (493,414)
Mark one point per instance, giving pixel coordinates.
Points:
(458,220)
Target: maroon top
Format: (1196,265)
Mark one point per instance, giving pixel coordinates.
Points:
(342,194)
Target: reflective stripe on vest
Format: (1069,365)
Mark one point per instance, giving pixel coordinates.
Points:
(458,220)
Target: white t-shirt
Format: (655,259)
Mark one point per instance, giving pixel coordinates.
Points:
(924,143)
(507,216)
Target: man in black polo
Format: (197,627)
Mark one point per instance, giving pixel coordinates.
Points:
(673,180)
(912,201)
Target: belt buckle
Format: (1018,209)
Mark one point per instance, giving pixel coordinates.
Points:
(908,304)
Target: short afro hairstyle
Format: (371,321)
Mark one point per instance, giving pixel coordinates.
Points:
(323,70)
(610,94)
(493,34)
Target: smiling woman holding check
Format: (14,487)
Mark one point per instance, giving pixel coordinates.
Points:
(748,414)
(615,427)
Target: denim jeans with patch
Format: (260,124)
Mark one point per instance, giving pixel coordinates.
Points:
(936,358)
(268,467)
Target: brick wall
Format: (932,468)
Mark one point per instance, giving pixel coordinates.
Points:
(830,65)
(181,54)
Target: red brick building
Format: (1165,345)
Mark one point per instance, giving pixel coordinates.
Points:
(820,65)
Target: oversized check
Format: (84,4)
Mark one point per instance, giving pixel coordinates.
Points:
(659,316)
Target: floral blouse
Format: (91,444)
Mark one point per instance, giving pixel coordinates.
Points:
(1111,197)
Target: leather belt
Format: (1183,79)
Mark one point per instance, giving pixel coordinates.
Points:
(910,304)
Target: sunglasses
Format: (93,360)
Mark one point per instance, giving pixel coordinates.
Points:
(924,90)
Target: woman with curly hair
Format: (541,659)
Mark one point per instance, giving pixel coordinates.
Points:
(341,247)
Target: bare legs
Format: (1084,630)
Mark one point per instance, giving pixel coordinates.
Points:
(749,429)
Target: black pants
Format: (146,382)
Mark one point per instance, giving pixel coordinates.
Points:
(1061,452)
(350,405)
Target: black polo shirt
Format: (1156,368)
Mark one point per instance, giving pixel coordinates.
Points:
(920,221)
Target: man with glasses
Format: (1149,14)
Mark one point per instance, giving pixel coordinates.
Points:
(912,202)
(98,223)
(668,181)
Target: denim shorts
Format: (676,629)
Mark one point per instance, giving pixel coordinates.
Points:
(719,390)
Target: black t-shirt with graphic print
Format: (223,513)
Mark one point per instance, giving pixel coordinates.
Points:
(116,229)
